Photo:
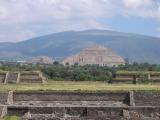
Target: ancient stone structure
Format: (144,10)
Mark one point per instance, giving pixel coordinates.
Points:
(41,60)
(31,77)
(95,55)
(68,105)
(7,77)
(2,77)
(135,77)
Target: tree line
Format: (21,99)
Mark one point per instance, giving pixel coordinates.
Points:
(75,72)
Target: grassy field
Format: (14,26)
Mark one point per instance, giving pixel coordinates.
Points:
(10,118)
(70,85)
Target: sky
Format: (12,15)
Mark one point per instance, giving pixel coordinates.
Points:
(24,19)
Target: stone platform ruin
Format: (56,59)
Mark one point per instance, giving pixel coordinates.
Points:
(134,77)
(8,77)
(74,105)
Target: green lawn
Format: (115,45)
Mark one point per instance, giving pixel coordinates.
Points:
(11,118)
(70,85)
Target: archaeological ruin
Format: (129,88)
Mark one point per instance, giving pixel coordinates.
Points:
(77,105)
(95,55)
(41,60)
(9,77)
(135,77)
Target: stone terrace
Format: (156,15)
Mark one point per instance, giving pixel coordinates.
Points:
(7,77)
(60,105)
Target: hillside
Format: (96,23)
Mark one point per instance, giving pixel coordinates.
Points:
(136,47)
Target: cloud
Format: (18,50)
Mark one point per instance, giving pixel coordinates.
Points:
(22,19)
(137,3)
(142,8)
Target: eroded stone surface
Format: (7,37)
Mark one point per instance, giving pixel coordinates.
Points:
(83,106)
(71,103)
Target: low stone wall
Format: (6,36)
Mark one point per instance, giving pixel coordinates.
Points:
(7,77)
(136,77)
(71,96)
(69,111)
(2,77)
(12,77)
(139,105)
(123,78)
(31,77)
(147,98)
(3,98)
(17,110)
(80,113)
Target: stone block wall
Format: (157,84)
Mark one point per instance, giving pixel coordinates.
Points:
(141,105)
(12,77)
(2,77)
(123,78)
(30,77)
(3,98)
(21,77)
(147,98)
(135,77)
(80,113)
(71,96)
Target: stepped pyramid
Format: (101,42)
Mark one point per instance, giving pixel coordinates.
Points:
(41,60)
(95,55)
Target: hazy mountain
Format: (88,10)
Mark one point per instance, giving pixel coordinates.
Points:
(136,47)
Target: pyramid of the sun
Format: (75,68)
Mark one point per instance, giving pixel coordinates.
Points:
(95,55)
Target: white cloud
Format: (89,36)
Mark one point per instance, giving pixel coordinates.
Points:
(22,19)
(136,3)
(142,8)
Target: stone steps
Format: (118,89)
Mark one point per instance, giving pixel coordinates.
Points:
(90,106)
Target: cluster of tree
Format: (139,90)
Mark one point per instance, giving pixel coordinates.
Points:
(139,67)
(79,73)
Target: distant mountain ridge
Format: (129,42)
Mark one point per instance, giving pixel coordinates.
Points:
(139,48)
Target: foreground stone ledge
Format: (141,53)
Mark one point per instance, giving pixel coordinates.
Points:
(125,113)
(69,105)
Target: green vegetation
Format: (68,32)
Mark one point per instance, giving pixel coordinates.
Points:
(71,85)
(60,72)
(11,118)
(78,73)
